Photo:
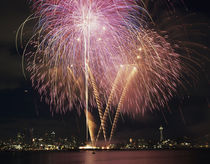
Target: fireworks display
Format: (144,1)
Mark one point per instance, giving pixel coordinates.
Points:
(105,51)
(70,32)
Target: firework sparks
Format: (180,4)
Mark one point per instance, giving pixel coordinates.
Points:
(73,37)
(71,32)
(159,72)
(83,48)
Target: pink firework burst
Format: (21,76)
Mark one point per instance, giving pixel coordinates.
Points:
(107,38)
(70,32)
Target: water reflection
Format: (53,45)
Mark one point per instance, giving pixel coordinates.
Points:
(104,157)
(89,157)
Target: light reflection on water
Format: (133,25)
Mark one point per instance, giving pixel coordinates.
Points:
(107,157)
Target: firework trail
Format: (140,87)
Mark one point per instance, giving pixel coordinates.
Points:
(98,102)
(125,90)
(108,103)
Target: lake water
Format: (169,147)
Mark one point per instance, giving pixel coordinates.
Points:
(108,157)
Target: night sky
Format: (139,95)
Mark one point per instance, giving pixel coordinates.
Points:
(21,109)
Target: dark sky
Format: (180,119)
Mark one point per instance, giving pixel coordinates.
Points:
(21,109)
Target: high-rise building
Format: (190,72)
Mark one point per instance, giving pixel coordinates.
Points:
(161,133)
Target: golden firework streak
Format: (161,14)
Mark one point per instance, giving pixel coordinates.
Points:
(96,93)
(121,101)
(91,126)
(103,121)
